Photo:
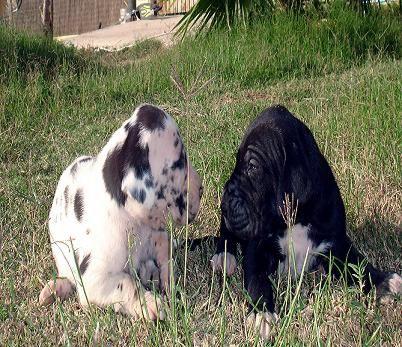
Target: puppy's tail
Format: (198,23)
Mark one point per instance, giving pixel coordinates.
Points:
(59,287)
(193,244)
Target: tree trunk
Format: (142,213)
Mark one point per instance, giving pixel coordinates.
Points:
(47,18)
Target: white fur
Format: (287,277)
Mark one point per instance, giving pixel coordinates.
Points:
(299,250)
(218,263)
(395,284)
(121,239)
(262,323)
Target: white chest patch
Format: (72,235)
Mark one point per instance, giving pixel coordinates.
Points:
(299,250)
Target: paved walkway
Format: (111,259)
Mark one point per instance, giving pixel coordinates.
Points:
(124,35)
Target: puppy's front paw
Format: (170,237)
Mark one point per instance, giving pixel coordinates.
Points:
(153,305)
(390,287)
(262,322)
(218,263)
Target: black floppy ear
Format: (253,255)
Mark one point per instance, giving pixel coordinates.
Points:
(126,166)
(136,154)
(138,181)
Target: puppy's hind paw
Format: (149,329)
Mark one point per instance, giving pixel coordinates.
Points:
(218,263)
(153,305)
(262,322)
(60,287)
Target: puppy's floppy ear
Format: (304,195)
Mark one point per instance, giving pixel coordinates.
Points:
(137,181)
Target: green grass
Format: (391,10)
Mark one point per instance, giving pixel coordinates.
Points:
(340,74)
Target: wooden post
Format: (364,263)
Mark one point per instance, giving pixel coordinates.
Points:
(47,18)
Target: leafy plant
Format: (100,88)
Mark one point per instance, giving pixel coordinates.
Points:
(223,13)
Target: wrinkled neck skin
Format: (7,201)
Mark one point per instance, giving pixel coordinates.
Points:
(247,209)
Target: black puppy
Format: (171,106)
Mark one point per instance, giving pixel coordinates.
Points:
(279,158)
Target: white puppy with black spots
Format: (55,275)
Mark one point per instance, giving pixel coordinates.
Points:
(107,221)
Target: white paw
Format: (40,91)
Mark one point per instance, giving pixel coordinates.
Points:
(153,305)
(218,263)
(387,290)
(262,322)
(61,288)
(395,284)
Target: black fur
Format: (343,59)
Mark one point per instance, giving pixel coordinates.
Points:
(149,182)
(130,155)
(84,264)
(180,204)
(151,118)
(181,161)
(160,194)
(66,199)
(278,156)
(139,195)
(79,204)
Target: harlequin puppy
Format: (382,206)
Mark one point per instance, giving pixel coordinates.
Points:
(277,157)
(109,212)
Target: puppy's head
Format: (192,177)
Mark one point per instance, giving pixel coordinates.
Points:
(248,194)
(154,172)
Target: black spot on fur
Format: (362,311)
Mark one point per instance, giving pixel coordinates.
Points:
(79,204)
(130,155)
(149,182)
(164,171)
(180,204)
(160,194)
(85,159)
(176,142)
(181,161)
(120,286)
(139,195)
(113,175)
(88,232)
(84,264)
(66,199)
(151,117)
(74,169)
(75,166)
